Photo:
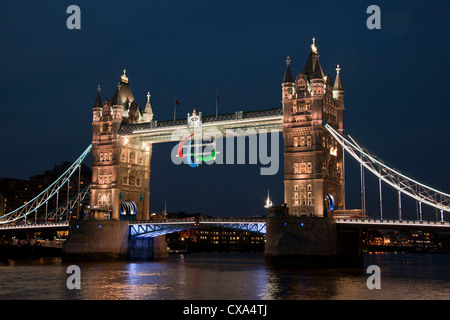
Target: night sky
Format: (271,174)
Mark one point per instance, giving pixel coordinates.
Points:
(396,80)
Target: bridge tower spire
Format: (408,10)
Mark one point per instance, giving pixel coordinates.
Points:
(313,178)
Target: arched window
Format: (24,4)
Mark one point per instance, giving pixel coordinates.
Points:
(132,157)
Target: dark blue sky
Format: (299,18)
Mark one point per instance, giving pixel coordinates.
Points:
(395,79)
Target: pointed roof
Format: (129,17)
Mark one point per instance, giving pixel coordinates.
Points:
(318,73)
(98,100)
(123,94)
(337,82)
(312,68)
(148,106)
(288,74)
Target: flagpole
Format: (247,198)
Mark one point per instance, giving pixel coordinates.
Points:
(217,103)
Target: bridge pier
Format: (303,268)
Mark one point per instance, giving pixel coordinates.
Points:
(147,249)
(100,240)
(311,242)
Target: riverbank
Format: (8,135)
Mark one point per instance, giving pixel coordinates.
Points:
(26,251)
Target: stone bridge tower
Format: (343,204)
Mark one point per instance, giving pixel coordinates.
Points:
(121,166)
(314,172)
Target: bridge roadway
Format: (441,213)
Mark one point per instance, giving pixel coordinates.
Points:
(153,228)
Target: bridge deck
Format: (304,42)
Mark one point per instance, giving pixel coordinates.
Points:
(154,228)
(251,224)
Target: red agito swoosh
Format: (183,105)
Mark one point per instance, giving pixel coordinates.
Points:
(180,147)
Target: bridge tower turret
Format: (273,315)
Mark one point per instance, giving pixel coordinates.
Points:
(338,95)
(121,166)
(313,178)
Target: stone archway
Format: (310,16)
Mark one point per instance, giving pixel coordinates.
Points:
(128,210)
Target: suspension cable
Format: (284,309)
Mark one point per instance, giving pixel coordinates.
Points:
(402,183)
(44,196)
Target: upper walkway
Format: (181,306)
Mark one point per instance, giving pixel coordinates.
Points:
(161,131)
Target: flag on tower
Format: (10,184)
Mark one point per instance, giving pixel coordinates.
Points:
(217,103)
(175,108)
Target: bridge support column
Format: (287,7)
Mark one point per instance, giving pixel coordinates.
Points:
(311,242)
(147,249)
(100,240)
(96,240)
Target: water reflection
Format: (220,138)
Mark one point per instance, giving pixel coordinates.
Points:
(306,284)
(227,276)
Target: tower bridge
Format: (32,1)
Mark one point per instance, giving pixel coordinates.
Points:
(306,227)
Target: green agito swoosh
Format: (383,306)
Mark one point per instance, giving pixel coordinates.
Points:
(208,158)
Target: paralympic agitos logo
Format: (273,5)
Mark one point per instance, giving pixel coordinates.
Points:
(196,146)
(190,154)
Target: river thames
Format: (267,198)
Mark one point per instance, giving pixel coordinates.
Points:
(227,276)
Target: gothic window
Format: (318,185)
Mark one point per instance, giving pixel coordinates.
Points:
(100,198)
(295,141)
(302,141)
(296,187)
(131,180)
(125,180)
(296,168)
(301,107)
(308,141)
(302,196)
(123,157)
(100,179)
(309,187)
(309,167)
(302,167)
(138,182)
(140,159)
(110,156)
(301,85)
(132,157)
(101,156)
(309,198)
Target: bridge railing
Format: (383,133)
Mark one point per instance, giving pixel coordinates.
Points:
(33,225)
(393,221)
(200,220)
